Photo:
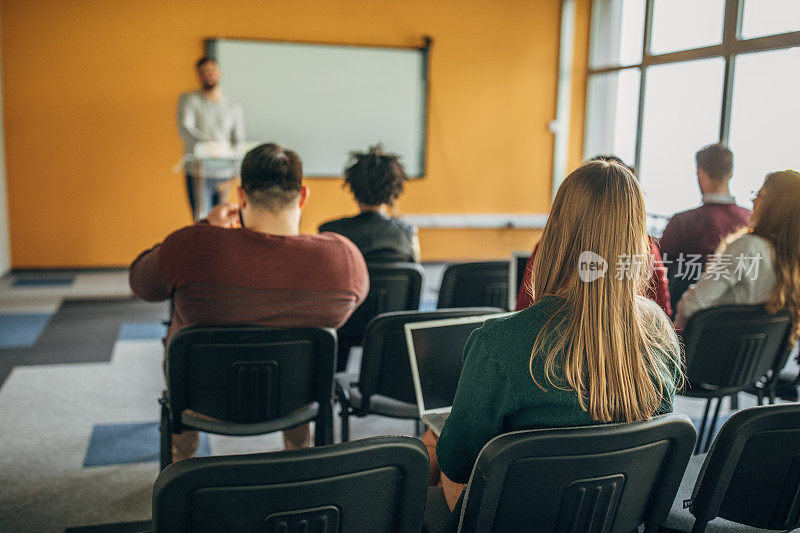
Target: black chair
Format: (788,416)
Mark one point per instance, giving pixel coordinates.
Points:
(384,385)
(482,284)
(369,486)
(392,287)
(728,349)
(604,478)
(248,380)
(749,479)
(781,383)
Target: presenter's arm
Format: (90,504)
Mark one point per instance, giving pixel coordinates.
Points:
(186,121)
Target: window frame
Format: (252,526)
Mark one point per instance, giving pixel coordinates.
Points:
(732,46)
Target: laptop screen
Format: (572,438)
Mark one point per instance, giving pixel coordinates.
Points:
(437,347)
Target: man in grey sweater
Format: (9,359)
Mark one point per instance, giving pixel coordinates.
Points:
(206,115)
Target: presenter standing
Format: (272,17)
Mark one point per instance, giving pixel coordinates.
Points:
(214,123)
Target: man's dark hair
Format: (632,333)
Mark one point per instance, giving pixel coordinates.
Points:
(717,161)
(203,60)
(375,178)
(272,176)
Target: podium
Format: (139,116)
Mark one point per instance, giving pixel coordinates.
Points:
(208,169)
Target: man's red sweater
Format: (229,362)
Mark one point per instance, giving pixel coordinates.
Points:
(220,276)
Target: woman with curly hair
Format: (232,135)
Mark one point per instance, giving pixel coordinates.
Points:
(376,180)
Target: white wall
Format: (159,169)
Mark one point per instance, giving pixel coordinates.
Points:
(5,249)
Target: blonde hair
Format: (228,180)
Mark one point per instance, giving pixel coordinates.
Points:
(609,345)
(778,221)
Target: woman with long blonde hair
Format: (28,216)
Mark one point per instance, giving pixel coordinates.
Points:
(589,350)
(759,264)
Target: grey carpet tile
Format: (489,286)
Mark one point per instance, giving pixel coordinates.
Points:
(81,331)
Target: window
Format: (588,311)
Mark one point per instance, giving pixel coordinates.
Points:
(684,24)
(765,117)
(613,106)
(770,17)
(617,32)
(682,107)
(667,77)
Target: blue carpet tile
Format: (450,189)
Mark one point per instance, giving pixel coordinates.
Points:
(19,331)
(63,281)
(117,444)
(140,331)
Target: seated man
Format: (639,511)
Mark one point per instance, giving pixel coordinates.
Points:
(263,272)
(691,236)
(376,180)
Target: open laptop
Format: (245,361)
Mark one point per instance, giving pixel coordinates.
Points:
(435,349)
(516,273)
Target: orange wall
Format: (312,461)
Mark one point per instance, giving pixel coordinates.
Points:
(90,88)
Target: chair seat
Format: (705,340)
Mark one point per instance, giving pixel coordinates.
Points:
(378,404)
(681,519)
(436,511)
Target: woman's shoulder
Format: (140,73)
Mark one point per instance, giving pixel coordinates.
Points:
(747,242)
(520,326)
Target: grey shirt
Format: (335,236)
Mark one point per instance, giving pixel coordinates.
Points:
(741,274)
(200,120)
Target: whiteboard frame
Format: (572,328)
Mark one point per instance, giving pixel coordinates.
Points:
(210,46)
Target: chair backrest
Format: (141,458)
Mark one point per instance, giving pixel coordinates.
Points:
(249,374)
(751,475)
(606,478)
(731,347)
(373,485)
(392,287)
(385,368)
(478,284)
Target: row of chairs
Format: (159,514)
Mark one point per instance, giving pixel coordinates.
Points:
(607,478)
(252,380)
(398,287)
(255,380)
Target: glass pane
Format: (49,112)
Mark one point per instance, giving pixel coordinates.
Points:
(768,17)
(685,24)
(764,118)
(682,109)
(617,32)
(612,105)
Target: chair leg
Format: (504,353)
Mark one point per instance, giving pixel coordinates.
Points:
(345,415)
(735,401)
(165,430)
(713,426)
(323,425)
(699,526)
(702,432)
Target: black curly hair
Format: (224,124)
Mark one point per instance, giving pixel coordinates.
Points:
(375,178)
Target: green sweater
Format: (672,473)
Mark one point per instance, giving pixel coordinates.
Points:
(496,393)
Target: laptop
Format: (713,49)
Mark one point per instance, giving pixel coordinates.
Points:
(516,273)
(435,349)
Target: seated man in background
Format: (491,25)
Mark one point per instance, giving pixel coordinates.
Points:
(376,180)
(691,236)
(262,273)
